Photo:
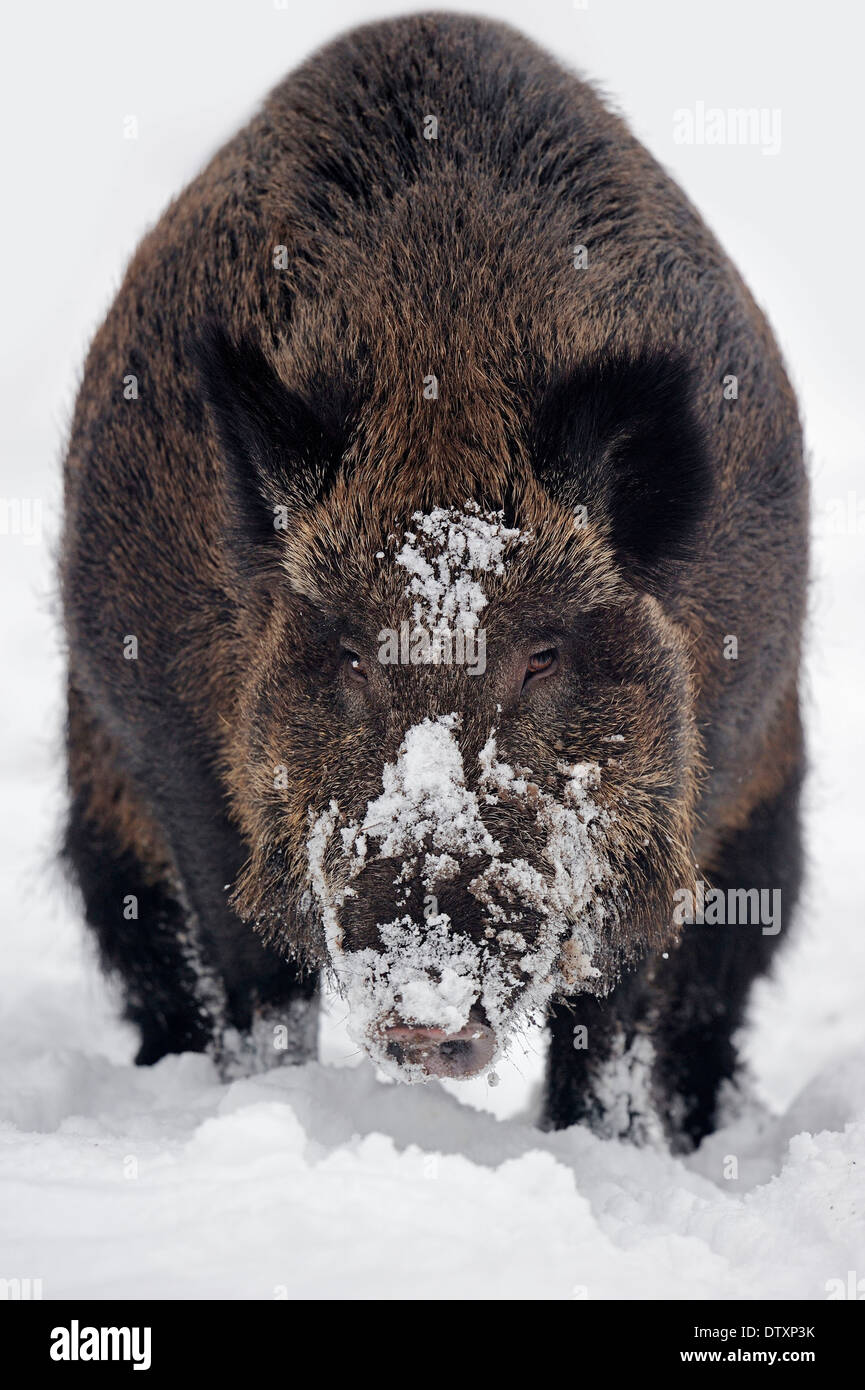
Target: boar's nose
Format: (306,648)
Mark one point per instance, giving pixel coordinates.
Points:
(440,1053)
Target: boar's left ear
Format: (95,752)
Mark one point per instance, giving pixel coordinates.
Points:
(620,436)
(278,450)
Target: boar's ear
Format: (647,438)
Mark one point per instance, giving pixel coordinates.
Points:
(277,449)
(620,436)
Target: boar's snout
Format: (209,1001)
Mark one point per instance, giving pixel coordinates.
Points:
(438,1053)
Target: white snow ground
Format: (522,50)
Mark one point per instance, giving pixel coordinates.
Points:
(324,1180)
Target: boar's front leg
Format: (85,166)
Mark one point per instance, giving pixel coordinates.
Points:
(599,1066)
(704,987)
(153,854)
(651,1058)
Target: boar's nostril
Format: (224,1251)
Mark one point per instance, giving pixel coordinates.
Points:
(457,1055)
(459,1051)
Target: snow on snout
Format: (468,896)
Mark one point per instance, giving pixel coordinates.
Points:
(425,800)
(428,822)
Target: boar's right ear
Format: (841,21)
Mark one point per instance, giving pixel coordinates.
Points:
(277,449)
(621,437)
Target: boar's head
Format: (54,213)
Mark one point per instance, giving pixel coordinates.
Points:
(464,754)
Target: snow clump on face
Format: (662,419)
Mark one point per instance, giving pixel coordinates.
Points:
(444,556)
(427,819)
(425,799)
(568,894)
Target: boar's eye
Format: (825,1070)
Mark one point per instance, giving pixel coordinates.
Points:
(540,664)
(354,666)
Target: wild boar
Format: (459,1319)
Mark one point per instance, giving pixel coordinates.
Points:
(434,570)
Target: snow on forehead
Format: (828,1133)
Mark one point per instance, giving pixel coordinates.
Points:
(444,556)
